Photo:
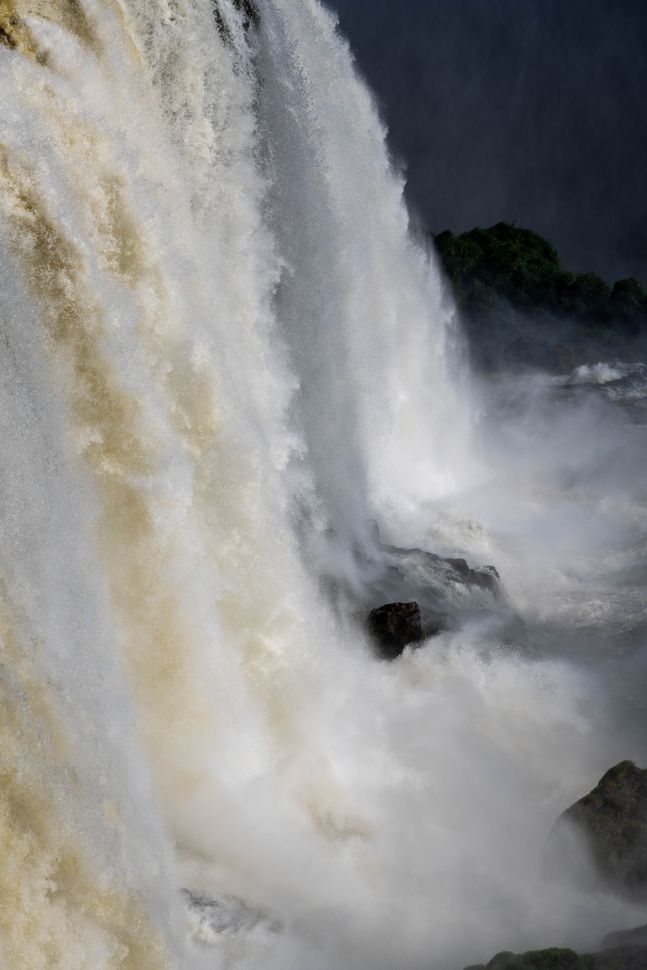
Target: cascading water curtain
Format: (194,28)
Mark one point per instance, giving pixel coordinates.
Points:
(219,345)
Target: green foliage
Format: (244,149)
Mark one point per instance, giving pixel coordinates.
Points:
(630,290)
(504,274)
(507,264)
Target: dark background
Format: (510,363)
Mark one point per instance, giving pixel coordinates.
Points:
(532,111)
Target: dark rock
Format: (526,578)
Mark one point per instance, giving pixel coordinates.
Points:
(436,581)
(449,591)
(487,577)
(613,820)
(393,626)
(434,622)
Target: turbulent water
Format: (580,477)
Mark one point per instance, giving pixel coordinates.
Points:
(231,379)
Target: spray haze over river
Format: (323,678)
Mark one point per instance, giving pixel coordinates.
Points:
(231,381)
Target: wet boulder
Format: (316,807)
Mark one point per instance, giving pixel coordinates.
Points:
(612,821)
(393,626)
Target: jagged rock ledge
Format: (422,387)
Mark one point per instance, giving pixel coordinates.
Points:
(440,592)
(612,818)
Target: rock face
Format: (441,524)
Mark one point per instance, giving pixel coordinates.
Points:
(446,592)
(441,585)
(393,626)
(487,577)
(613,820)
(423,594)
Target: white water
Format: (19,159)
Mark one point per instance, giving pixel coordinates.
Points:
(223,360)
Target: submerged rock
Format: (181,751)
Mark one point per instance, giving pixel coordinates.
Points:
(612,818)
(393,626)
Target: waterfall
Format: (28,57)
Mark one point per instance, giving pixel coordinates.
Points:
(369,330)
(225,359)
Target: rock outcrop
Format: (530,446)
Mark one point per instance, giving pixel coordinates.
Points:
(486,577)
(394,626)
(423,594)
(612,820)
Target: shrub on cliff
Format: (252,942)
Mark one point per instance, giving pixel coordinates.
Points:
(505,278)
